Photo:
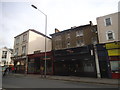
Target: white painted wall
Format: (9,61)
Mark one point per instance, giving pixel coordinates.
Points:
(37,42)
(102,29)
(9,54)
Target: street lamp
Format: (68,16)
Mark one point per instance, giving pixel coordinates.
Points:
(45,36)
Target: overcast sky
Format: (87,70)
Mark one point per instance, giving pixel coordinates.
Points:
(17,16)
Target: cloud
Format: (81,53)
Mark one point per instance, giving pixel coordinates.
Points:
(119,6)
(62,14)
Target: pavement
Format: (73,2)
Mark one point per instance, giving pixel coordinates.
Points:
(75,79)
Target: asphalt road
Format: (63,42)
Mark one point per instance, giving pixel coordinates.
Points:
(37,82)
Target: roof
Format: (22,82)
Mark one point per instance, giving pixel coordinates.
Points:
(33,31)
(8,49)
(11,50)
(72,28)
(109,14)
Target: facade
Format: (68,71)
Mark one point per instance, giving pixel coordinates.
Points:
(5,56)
(37,60)
(78,61)
(108,28)
(75,37)
(109,35)
(113,50)
(104,63)
(74,51)
(28,42)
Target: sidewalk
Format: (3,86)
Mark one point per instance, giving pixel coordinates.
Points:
(75,79)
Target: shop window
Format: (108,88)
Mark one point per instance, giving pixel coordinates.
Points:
(115,66)
(88,67)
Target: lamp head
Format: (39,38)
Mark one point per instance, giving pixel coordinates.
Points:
(34,6)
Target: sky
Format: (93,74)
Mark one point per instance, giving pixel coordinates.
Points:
(17,16)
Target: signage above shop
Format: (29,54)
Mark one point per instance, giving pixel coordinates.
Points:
(38,51)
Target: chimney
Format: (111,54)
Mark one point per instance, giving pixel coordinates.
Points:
(91,23)
(56,30)
(73,27)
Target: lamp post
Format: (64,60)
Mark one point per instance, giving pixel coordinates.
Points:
(45,36)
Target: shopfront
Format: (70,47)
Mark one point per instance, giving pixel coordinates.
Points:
(104,63)
(35,61)
(20,64)
(75,61)
(114,57)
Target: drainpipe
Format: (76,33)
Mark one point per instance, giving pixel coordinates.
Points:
(97,62)
(26,66)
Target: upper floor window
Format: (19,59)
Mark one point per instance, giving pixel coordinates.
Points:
(94,40)
(58,44)
(17,40)
(25,37)
(68,44)
(57,38)
(23,50)
(4,54)
(79,33)
(79,42)
(67,35)
(108,22)
(16,52)
(110,35)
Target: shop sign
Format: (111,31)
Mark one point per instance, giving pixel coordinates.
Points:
(114,52)
(36,52)
(19,57)
(112,45)
(46,59)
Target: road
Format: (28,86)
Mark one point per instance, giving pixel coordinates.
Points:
(37,82)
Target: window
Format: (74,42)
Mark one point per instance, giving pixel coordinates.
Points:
(79,33)
(4,54)
(68,44)
(88,67)
(24,37)
(17,40)
(23,50)
(79,42)
(58,45)
(110,35)
(94,40)
(108,21)
(68,36)
(58,38)
(16,52)
(115,66)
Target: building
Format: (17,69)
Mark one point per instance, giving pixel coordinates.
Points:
(37,60)
(26,43)
(74,51)
(5,56)
(109,35)
(75,37)
(108,28)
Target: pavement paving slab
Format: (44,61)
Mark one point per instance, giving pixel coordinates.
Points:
(75,79)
